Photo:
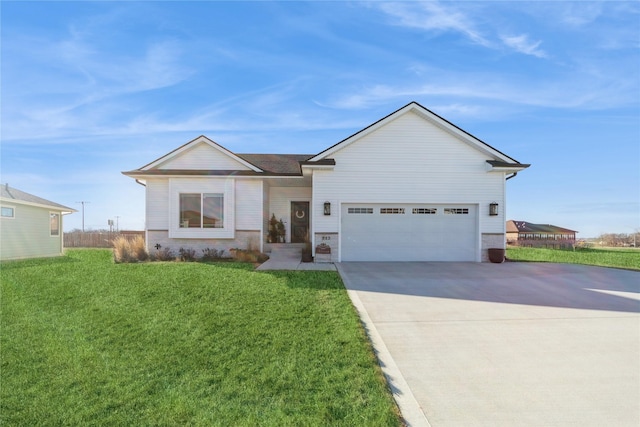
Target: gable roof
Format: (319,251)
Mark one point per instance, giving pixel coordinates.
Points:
(268,164)
(432,118)
(528,227)
(199,140)
(16,196)
(291,164)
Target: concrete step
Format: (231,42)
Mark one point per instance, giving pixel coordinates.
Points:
(285,253)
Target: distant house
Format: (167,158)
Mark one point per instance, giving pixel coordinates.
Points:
(523,233)
(410,187)
(30,227)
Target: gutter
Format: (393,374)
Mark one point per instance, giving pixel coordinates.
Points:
(508,178)
(144,185)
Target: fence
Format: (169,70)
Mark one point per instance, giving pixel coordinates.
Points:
(96,239)
(549,244)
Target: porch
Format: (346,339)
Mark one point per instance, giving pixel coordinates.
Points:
(287,256)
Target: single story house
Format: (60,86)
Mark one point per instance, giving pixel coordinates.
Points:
(30,226)
(523,233)
(410,187)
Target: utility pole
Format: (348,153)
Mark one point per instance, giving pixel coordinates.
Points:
(117,224)
(82,203)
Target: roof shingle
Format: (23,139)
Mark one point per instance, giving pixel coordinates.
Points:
(10,193)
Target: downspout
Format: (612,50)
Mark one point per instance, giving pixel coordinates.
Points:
(146,232)
(504,222)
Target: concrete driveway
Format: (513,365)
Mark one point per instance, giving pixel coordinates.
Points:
(513,344)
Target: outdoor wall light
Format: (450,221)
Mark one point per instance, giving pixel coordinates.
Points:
(493,209)
(327,208)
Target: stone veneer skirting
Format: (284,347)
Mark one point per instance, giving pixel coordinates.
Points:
(331,239)
(491,240)
(244,239)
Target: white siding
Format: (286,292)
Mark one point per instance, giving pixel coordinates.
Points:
(157,204)
(409,160)
(245,208)
(248,204)
(203,156)
(280,199)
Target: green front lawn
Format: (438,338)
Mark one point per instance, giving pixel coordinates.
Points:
(85,341)
(620,258)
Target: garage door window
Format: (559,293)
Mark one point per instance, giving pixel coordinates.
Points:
(392,211)
(456,211)
(425,211)
(360,210)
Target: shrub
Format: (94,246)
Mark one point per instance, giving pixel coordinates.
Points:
(120,249)
(139,249)
(250,256)
(581,244)
(187,255)
(212,254)
(166,254)
(126,250)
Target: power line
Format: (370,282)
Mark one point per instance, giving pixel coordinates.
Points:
(83,203)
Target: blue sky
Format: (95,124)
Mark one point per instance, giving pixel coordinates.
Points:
(90,89)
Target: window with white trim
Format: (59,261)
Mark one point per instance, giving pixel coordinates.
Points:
(201,210)
(8,212)
(54,224)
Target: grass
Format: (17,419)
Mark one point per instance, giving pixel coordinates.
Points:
(86,341)
(605,257)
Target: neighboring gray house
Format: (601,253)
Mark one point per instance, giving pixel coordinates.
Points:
(410,187)
(30,227)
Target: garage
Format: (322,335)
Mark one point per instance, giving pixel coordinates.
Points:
(409,232)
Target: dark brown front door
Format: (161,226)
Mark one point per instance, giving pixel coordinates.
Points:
(299,222)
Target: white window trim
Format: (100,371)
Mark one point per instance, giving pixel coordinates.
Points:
(225,186)
(13,209)
(59,224)
(202,200)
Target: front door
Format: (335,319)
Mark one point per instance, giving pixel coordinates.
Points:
(299,222)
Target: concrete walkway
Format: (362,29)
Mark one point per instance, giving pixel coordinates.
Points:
(513,344)
(288,258)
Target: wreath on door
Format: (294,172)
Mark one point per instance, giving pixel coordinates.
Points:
(300,214)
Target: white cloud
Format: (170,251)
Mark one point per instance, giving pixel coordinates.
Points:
(579,14)
(433,16)
(522,44)
(573,91)
(79,87)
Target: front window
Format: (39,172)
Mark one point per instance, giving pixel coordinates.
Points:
(201,210)
(54,224)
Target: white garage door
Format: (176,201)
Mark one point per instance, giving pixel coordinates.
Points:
(403,232)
